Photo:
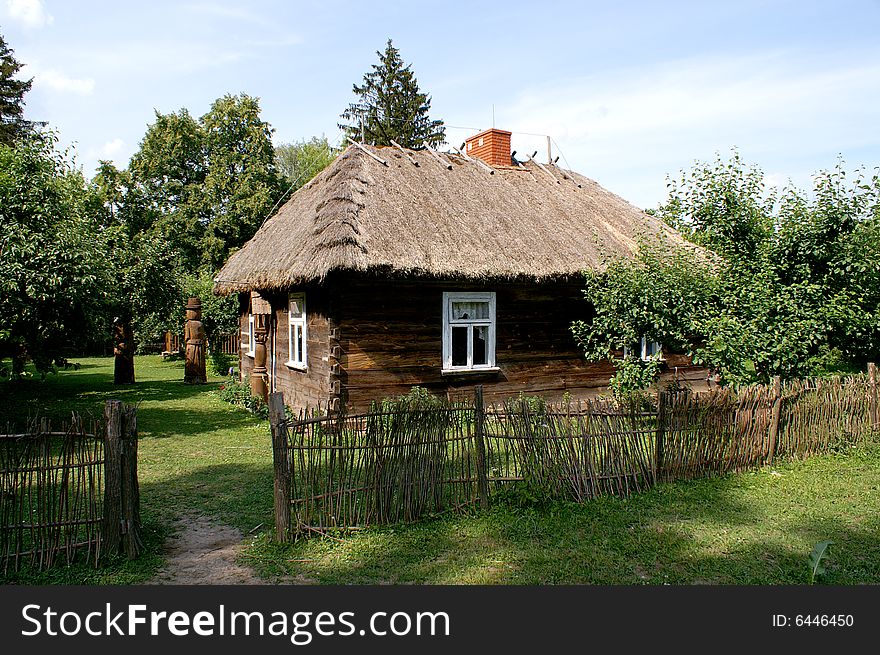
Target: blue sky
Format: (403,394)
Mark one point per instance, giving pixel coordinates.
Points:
(629,92)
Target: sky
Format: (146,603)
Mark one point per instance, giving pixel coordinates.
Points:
(629,92)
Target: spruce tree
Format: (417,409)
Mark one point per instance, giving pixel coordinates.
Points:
(390,106)
(12,123)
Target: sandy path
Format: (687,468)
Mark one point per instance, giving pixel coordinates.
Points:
(203,552)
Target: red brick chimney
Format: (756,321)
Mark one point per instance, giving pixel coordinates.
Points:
(492,146)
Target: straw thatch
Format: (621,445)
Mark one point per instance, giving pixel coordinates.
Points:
(361,215)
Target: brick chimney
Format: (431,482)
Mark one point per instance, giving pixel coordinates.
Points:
(492,146)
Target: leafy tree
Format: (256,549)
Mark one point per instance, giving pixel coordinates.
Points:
(12,123)
(796,288)
(53,271)
(301,161)
(390,106)
(241,184)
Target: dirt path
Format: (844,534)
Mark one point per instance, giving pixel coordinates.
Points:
(203,552)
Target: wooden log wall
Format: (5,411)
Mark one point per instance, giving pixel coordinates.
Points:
(390,338)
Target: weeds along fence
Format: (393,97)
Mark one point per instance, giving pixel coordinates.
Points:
(71,493)
(416,456)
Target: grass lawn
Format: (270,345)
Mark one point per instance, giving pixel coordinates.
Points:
(198,454)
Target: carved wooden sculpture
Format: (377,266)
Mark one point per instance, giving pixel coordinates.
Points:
(123,352)
(261,309)
(194,335)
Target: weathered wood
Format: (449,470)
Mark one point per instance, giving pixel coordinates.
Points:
(776,411)
(131,515)
(874,407)
(480,444)
(660,436)
(281,465)
(112,531)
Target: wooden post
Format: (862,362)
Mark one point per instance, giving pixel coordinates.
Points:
(872,401)
(131,501)
(281,464)
(112,529)
(479,430)
(661,435)
(774,418)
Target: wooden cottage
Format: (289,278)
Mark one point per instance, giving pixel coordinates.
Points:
(396,268)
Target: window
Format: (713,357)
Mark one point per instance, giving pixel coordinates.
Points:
(248,341)
(296,330)
(647,350)
(468,331)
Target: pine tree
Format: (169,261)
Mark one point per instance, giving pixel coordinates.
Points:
(391,107)
(12,123)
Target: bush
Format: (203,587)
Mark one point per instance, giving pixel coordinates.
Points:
(237,393)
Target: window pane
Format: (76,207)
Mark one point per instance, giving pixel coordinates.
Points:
(459,346)
(481,344)
(299,345)
(470,310)
(296,307)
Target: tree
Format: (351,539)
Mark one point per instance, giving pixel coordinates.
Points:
(390,106)
(12,123)
(241,183)
(53,270)
(795,291)
(299,162)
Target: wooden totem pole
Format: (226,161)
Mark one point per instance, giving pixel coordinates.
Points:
(262,310)
(194,335)
(123,352)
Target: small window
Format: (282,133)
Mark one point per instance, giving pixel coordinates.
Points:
(468,331)
(296,330)
(249,342)
(647,350)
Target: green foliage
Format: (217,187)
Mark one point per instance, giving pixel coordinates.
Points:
(301,161)
(797,278)
(817,558)
(391,107)
(13,126)
(54,275)
(632,377)
(237,393)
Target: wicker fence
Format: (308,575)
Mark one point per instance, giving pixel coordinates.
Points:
(414,458)
(71,493)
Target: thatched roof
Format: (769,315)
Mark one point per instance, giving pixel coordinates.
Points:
(427,220)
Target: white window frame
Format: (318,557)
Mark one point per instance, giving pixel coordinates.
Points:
(250,346)
(300,362)
(644,356)
(450,297)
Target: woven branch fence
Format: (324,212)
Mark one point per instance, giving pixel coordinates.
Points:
(70,493)
(411,458)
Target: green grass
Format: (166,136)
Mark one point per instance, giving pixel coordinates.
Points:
(198,454)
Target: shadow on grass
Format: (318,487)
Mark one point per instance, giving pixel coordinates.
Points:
(237,494)
(646,539)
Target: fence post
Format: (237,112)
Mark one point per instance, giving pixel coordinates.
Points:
(872,390)
(281,464)
(131,501)
(112,532)
(774,417)
(479,430)
(661,435)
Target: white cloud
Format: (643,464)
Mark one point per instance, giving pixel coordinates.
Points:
(56,81)
(31,13)
(111,149)
(621,125)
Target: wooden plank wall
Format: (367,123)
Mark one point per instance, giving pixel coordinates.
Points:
(300,388)
(390,336)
